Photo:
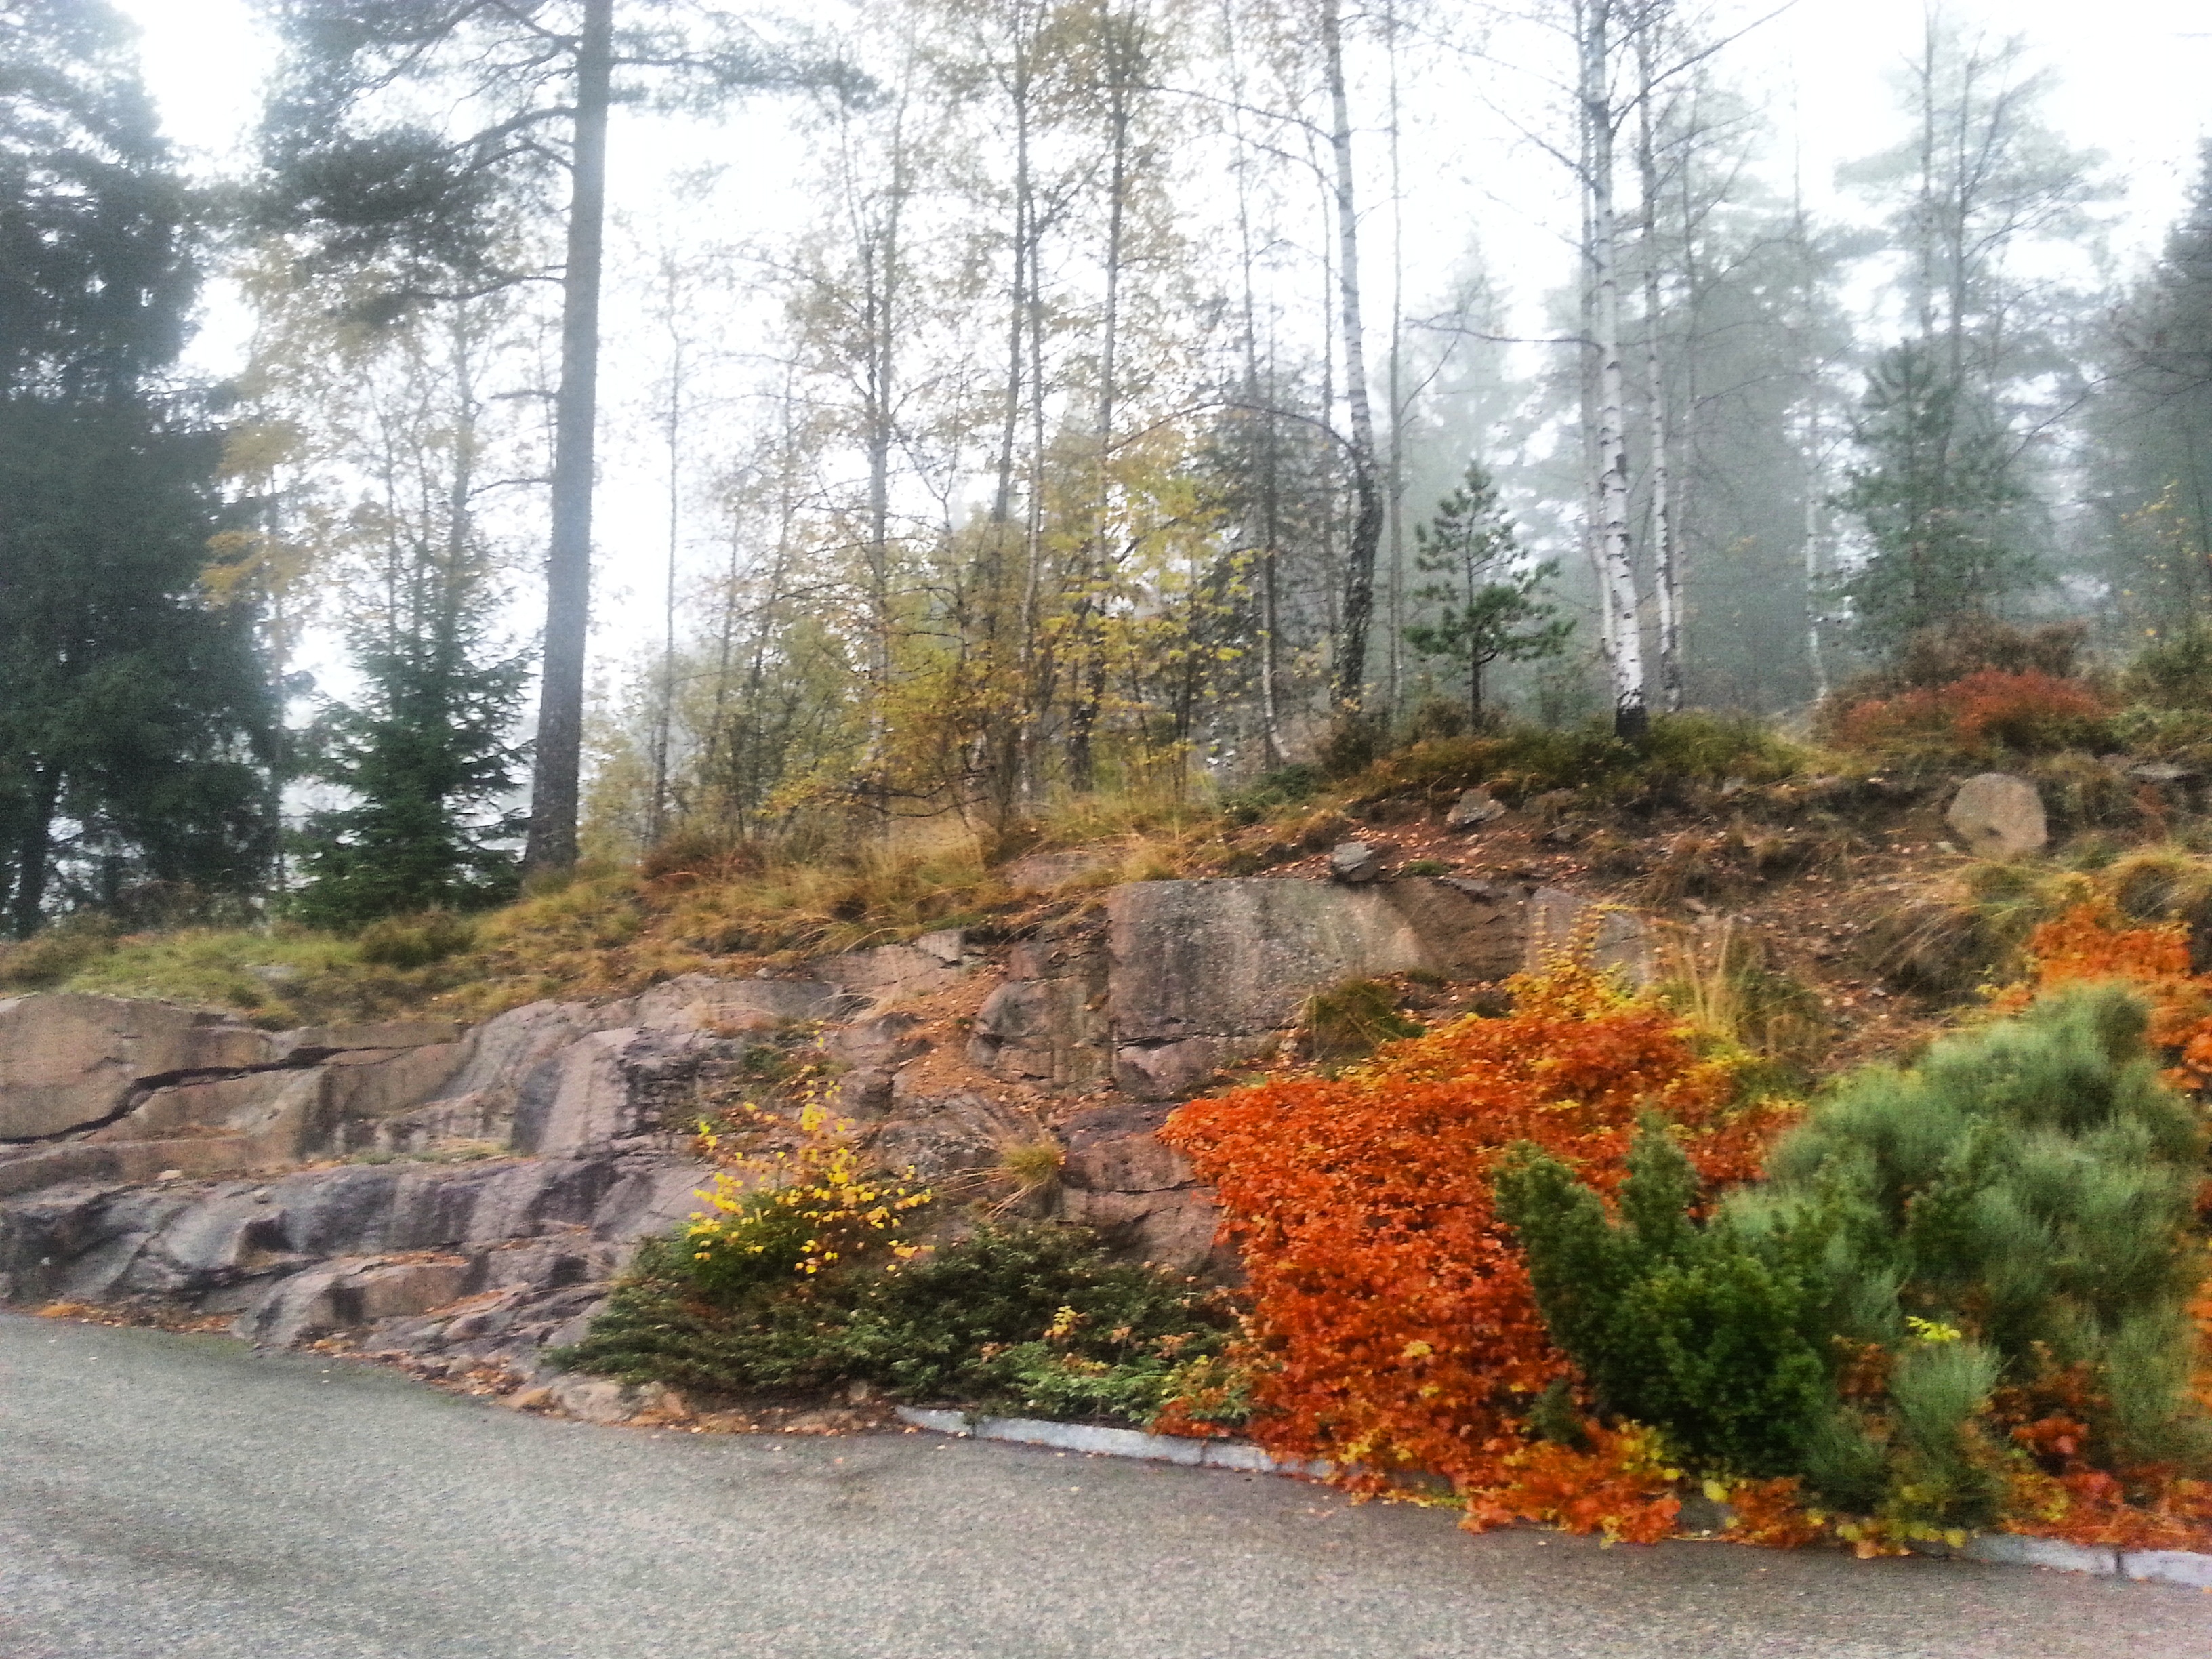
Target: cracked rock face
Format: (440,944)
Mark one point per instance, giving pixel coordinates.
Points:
(71,1062)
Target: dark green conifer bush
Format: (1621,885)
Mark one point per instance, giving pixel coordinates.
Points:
(1679,1325)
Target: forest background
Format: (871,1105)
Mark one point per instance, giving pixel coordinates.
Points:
(1004,401)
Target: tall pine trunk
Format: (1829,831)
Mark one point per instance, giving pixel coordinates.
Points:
(558,760)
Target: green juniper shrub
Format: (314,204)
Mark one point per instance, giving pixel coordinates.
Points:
(1030,1316)
(1353,742)
(50,955)
(414,941)
(1526,761)
(1286,786)
(2174,672)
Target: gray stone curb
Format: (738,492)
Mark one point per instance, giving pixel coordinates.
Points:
(1109,1443)
(2190,1569)
(2186,1568)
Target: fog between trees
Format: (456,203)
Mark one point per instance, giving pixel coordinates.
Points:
(1110,421)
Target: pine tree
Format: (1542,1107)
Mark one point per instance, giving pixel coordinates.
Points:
(427,210)
(1487,605)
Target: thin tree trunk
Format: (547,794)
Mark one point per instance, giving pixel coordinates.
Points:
(558,763)
(1666,575)
(34,848)
(1358,613)
(1814,577)
(1395,466)
(880,255)
(1815,655)
(1120,52)
(1631,715)
(664,713)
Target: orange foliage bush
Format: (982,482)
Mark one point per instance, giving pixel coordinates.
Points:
(1620,1486)
(2092,941)
(1392,1322)
(2030,711)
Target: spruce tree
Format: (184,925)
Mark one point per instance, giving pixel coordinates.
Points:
(1937,492)
(426,750)
(135,718)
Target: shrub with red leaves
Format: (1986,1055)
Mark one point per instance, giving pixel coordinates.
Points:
(1392,1324)
(1974,718)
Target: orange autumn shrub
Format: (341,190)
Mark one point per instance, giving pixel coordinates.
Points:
(1392,1324)
(2030,711)
(2092,940)
(1619,1485)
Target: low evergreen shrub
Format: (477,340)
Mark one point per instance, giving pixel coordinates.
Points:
(2174,672)
(1679,1325)
(414,941)
(1026,1317)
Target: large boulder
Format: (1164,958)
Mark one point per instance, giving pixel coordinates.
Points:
(1999,816)
(69,1061)
(1238,958)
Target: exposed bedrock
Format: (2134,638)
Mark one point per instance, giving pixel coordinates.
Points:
(463,1195)
(1189,978)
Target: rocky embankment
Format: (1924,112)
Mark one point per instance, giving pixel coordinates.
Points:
(459,1198)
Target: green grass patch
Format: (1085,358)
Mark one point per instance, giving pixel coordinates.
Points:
(277,977)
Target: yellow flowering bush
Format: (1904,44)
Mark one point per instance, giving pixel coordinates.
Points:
(797,1210)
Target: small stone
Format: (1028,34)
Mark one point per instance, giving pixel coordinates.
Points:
(947,944)
(1354,861)
(170,1175)
(531,1399)
(1998,815)
(1474,808)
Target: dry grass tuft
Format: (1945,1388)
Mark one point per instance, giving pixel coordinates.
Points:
(1729,982)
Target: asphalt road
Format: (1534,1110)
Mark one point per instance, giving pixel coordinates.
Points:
(179,1497)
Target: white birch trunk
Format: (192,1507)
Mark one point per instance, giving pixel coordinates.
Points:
(1630,712)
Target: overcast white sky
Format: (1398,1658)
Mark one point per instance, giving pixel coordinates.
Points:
(2135,82)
